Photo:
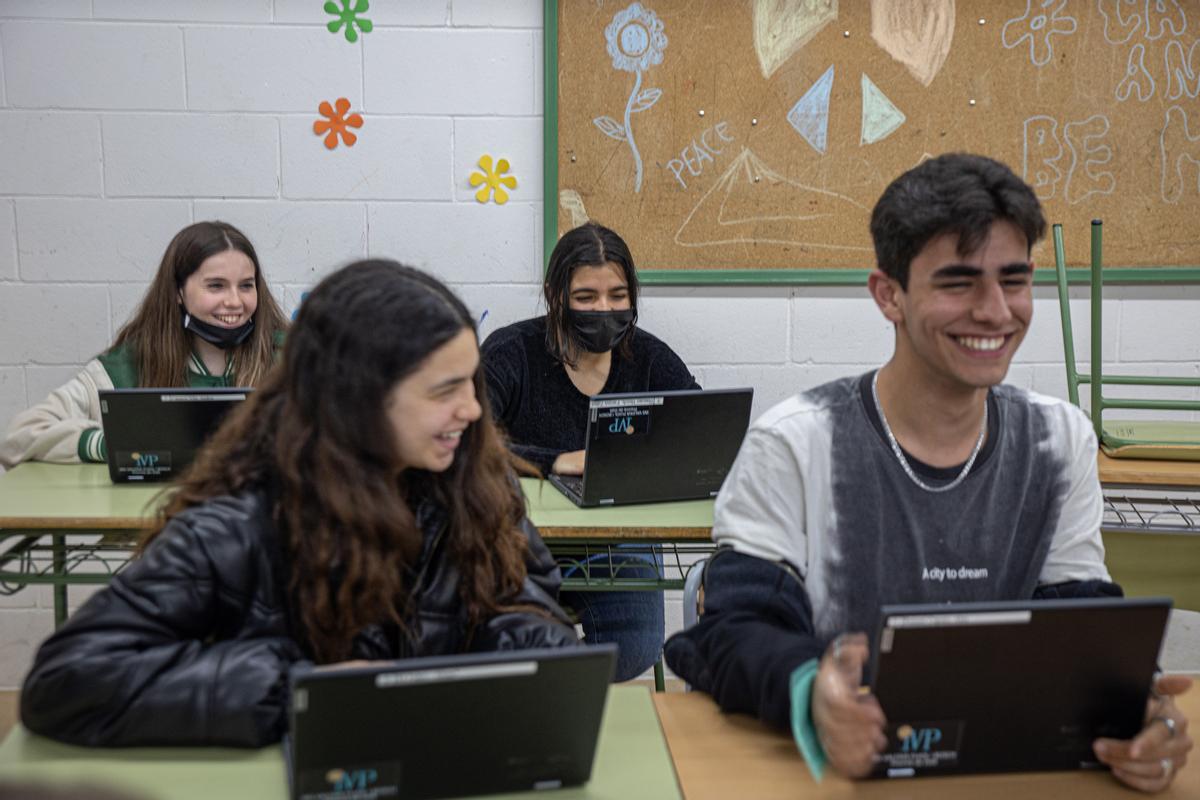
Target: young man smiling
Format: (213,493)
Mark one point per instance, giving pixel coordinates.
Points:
(926,480)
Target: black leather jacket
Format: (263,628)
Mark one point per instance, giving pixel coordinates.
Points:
(191,643)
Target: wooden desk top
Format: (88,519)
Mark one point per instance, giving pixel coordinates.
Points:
(1138,472)
(37,496)
(556,517)
(720,756)
(631,762)
(73,496)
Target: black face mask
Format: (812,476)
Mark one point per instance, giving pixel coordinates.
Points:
(600,331)
(224,338)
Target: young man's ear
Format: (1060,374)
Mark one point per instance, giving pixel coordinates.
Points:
(887,294)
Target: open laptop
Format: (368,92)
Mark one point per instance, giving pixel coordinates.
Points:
(153,434)
(650,447)
(1021,686)
(448,726)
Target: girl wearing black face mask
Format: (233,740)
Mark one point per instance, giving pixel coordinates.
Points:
(208,319)
(541,374)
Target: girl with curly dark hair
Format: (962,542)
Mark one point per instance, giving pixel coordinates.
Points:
(359,505)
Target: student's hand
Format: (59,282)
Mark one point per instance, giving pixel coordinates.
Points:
(1152,759)
(569,463)
(849,723)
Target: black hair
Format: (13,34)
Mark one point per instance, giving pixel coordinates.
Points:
(589,245)
(956,193)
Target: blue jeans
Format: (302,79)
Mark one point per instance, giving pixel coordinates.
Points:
(632,619)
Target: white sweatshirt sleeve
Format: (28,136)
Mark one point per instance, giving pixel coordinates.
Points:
(53,429)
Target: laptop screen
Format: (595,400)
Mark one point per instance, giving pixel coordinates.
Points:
(660,446)
(451,725)
(153,434)
(994,687)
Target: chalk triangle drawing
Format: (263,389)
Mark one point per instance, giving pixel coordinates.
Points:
(917,33)
(880,117)
(782,27)
(810,115)
(752,204)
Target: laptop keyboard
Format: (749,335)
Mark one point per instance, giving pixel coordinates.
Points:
(572,482)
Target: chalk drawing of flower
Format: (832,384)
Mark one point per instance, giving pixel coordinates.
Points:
(1038,25)
(337,122)
(349,17)
(636,42)
(492,180)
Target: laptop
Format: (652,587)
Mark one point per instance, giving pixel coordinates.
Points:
(153,434)
(448,726)
(1019,686)
(650,447)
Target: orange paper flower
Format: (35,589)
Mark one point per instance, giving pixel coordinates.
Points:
(337,123)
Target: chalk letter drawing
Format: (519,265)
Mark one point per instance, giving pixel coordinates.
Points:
(1117,26)
(1183,73)
(1178,146)
(752,204)
(570,201)
(1042,152)
(1137,77)
(810,115)
(1086,138)
(635,42)
(1123,18)
(782,27)
(1164,15)
(916,33)
(1038,24)
(880,117)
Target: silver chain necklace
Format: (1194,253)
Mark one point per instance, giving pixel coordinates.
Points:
(908,470)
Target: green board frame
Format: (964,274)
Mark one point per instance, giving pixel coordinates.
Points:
(761,277)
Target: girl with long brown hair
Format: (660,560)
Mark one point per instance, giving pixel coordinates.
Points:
(359,505)
(208,319)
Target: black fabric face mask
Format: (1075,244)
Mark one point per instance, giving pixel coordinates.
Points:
(600,331)
(224,338)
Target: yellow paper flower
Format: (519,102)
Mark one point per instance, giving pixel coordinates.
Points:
(492,180)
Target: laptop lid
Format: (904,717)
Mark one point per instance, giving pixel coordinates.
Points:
(153,434)
(448,726)
(648,447)
(1019,686)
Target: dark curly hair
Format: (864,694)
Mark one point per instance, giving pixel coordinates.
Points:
(316,436)
(956,193)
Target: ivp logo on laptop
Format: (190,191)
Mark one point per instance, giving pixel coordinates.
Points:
(143,464)
(352,780)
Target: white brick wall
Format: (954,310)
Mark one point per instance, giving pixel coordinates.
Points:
(123,120)
(111,240)
(191,155)
(184,10)
(89,65)
(8,242)
(402,158)
(269,69)
(407,72)
(47,153)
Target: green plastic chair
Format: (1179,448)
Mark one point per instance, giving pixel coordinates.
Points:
(1155,439)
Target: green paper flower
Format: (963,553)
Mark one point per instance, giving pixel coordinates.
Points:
(349,17)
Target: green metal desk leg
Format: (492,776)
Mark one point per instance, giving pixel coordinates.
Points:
(660,681)
(59,566)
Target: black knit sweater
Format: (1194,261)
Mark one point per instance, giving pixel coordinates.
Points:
(532,396)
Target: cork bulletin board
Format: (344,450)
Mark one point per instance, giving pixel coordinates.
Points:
(747,140)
